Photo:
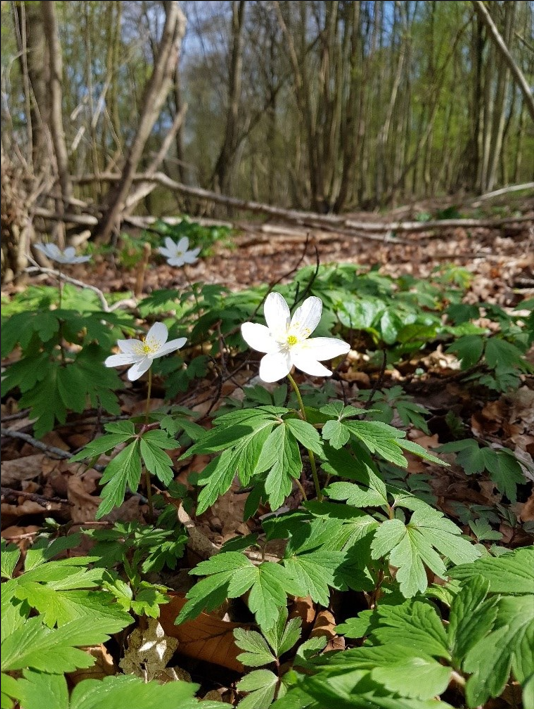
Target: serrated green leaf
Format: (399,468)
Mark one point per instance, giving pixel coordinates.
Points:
(432,678)
(262,687)
(355,495)
(336,434)
(306,434)
(511,573)
(156,461)
(413,624)
(379,438)
(41,648)
(506,473)
(257,653)
(509,647)
(312,573)
(500,353)
(10,556)
(122,471)
(280,456)
(471,617)
(416,449)
(468,349)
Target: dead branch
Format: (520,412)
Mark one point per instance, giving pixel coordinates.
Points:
(307,219)
(51,451)
(502,191)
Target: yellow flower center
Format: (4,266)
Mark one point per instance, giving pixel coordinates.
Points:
(147,347)
(292,340)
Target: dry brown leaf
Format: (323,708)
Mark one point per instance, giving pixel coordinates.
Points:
(27,468)
(205,638)
(83,505)
(304,608)
(103,667)
(149,650)
(324,626)
(526,513)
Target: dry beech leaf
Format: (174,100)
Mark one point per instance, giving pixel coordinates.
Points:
(14,471)
(304,608)
(324,626)
(149,650)
(83,505)
(206,638)
(103,667)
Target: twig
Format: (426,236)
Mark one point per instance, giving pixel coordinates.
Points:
(18,415)
(379,380)
(50,451)
(74,281)
(10,492)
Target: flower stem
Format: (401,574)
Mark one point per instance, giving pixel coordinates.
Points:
(149,392)
(148,485)
(148,482)
(313,464)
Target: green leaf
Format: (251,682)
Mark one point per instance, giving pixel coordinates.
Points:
(471,616)
(157,461)
(281,458)
(468,349)
(379,438)
(511,573)
(10,557)
(336,433)
(505,472)
(355,495)
(431,678)
(313,572)
(306,434)
(413,546)
(413,624)
(257,652)
(54,651)
(116,692)
(509,647)
(122,471)
(500,353)
(471,457)
(261,685)
(420,451)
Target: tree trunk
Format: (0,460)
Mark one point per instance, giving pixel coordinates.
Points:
(155,93)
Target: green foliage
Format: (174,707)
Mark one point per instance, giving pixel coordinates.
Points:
(500,463)
(62,366)
(410,653)
(146,448)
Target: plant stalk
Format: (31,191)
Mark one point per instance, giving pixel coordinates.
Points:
(311,455)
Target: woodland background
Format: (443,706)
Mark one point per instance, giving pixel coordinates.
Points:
(326,106)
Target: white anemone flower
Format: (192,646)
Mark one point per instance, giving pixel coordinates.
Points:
(54,253)
(141,353)
(286,342)
(178,254)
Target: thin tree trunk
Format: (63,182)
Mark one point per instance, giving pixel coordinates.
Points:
(505,53)
(55,62)
(156,92)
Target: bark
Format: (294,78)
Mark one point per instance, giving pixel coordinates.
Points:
(501,47)
(155,93)
(225,161)
(55,97)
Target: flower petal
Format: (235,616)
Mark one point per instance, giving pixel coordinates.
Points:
(175,261)
(183,244)
(307,316)
(321,348)
(171,346)
(157,335)
(118,360)
(130,347)
(81,259)
(276,312)
(171,245)
(258,337)
(69,253)
(165,252)
(189,257)
(309,365)
(275,366)
(139,368)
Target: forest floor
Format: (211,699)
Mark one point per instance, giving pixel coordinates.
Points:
(37,486)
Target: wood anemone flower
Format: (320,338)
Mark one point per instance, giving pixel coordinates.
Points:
(286,340)
(141,353)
